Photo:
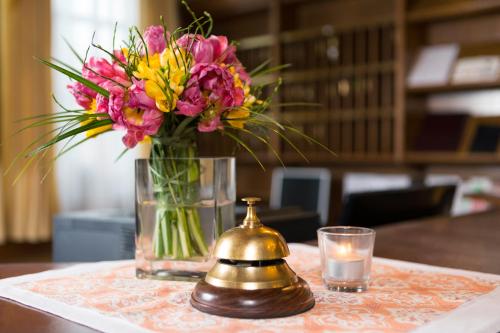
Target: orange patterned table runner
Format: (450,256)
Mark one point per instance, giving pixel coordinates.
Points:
(107,296)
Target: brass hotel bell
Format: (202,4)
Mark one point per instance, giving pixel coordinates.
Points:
(250,278)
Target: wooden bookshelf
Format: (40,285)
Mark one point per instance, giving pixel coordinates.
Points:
(350,58)
(453,158)
(468,23)
(291,76)
(438,89)
(432,10)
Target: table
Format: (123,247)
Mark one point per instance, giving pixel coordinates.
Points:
(16,318)
(493,199)
(468,242)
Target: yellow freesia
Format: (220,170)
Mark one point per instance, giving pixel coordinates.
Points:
(238,117)
(147,69)
(158,70)
(133,116)
(236,77)
(146,140)
(95,131)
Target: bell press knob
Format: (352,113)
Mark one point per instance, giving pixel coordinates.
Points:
(251,220)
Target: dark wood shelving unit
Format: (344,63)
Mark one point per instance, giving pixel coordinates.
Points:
(343,64)
(315,74)
(471,24)
(453,88)
(428,11)
(447,157)
(351,58)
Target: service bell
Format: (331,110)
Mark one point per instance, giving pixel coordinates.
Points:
(250,278)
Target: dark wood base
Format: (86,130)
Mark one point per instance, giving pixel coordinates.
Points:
(254,304)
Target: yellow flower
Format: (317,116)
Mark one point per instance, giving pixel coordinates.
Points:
(236,77)
(238,116)
(148,68)
(95,131)
(160,69)
(133,116)
(146,140)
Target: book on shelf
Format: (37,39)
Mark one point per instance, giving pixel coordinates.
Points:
(433,66)
(441,132)
(486,139)
(476,69)
(482,135)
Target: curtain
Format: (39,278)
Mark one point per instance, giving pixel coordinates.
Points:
(26,207)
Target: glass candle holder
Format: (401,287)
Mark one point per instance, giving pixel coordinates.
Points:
(346,257)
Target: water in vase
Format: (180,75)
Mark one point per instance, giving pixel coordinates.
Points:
(176,242)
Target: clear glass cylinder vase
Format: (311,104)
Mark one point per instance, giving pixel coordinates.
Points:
(182,206)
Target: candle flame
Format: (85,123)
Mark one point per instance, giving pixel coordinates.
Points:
(344,249)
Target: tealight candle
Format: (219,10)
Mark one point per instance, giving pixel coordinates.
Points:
(345,265)
(346,254)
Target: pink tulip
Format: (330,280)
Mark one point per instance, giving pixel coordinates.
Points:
(120,56)
(210,125)
(154,36)
(217,83)
(139,123)
(99,70)
(130,110)
(131,138)
(114,103)
(214,49)
(210,92)
(138,97)
(192,103)
(83,95)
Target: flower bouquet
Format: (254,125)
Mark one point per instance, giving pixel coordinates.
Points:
(164,88)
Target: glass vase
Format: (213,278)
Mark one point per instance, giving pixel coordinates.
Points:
(182,206)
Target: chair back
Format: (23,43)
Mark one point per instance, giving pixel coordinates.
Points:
(381,207)
(307,188)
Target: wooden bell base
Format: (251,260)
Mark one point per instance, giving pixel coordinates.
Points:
(254,304)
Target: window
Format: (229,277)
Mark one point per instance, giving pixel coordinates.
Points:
(88,177)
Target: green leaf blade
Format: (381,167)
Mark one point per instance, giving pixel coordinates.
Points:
(76,77)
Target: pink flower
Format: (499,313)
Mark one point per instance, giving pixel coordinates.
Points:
(217,83)
(139,123)
(210,92)
(210,125)
(207,50)
(131,138)
(120,56)
(114,104)
(138,97)
(214,49)
(99,70)
(82,94)
(154,36)
(193,102)
(102,73)
(130,110)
